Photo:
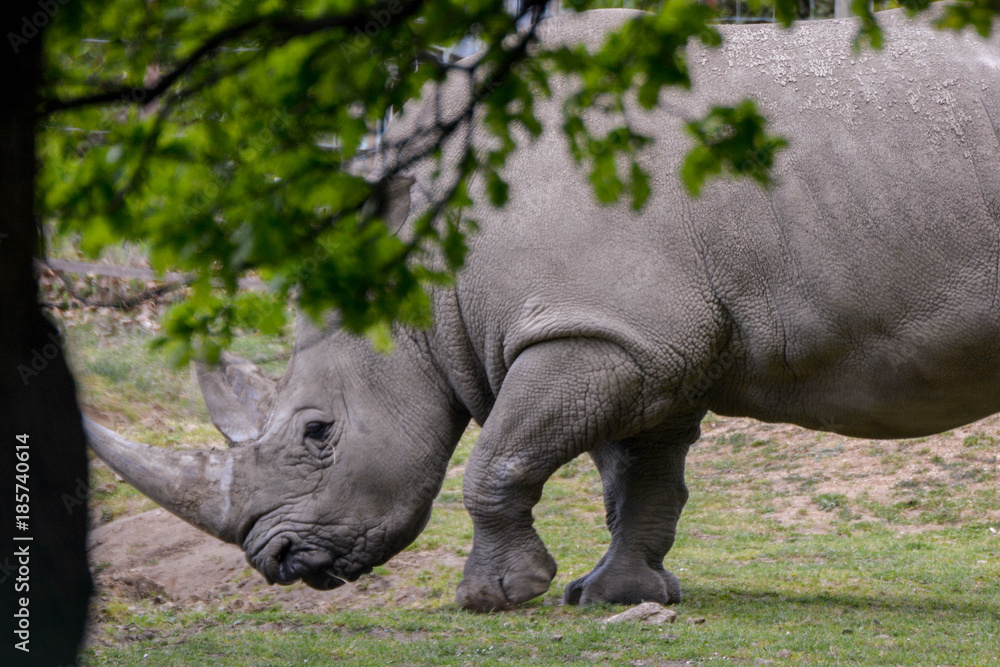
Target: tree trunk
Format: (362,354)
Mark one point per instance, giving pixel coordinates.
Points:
(44,575)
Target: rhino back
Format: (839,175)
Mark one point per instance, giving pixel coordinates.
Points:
(862,285)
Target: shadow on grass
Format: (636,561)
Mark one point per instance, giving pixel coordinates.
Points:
(923,604)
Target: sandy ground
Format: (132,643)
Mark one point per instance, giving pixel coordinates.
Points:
(795,466)
(155,555)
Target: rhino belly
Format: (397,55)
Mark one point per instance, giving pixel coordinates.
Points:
(890,388)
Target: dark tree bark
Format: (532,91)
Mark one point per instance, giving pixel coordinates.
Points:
(37,393)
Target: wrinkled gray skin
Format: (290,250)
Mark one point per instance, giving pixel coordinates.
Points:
(858,296)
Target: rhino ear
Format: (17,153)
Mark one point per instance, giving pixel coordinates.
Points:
(395,198)
(238,396)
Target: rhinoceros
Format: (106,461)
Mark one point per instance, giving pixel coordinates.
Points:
(860,295)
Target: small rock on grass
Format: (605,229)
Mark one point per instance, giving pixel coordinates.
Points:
(696,621)
(651,613)
(784,653)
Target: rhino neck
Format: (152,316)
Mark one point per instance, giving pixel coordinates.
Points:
(454,357)
(431,412)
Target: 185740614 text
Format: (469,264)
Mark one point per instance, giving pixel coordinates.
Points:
(22,540)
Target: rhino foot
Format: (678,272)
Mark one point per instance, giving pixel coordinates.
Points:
(487,592)
(630,584)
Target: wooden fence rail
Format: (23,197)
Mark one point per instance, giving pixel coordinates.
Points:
(87,268)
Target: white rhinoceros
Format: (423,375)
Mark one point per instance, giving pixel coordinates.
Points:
(859,295)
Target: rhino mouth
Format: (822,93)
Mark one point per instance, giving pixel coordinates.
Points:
(323,581)
(312,567)
(284,562)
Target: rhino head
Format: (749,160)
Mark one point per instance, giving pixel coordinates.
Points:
(330,470)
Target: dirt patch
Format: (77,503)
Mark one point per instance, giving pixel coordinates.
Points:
(808,476)
(156,556)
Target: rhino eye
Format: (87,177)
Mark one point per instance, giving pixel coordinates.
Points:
(318,430)
(317,439)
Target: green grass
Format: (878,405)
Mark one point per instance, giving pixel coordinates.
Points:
(856,589)
(860,596)
(742,625)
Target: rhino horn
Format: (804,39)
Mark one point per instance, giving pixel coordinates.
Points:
(194,485)
(238,395)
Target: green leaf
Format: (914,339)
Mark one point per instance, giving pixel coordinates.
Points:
(639,187)
(869,31)
(732,140)
(786,11)
(977,14)
(498,189)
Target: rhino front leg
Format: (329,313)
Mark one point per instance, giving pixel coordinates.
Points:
(644,493)
(559,399)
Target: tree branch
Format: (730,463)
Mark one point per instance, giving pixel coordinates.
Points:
(283,27)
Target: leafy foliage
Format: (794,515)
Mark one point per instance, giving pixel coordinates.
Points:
(978,14)
(646,55)
(231,137)
(730,139)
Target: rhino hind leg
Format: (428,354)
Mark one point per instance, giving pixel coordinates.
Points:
(644,493)
(559,399)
